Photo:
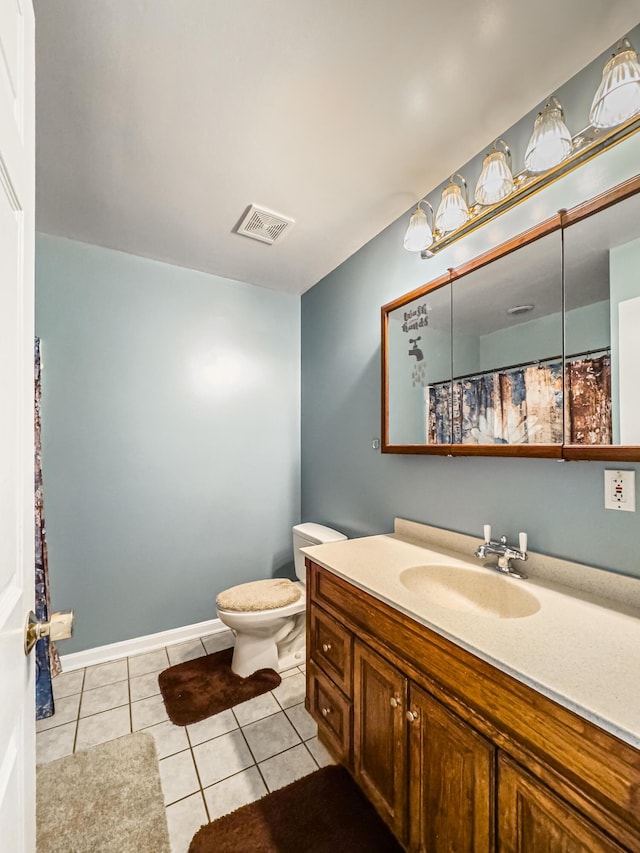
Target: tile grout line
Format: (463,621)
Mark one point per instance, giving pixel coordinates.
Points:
(195,764)
(129,695)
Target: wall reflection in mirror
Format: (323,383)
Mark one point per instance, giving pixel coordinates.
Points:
(602,326)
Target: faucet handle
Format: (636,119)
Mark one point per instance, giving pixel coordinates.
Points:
(523,542)
(487,533)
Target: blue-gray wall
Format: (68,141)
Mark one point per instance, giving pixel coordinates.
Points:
(349,485)
(171,437)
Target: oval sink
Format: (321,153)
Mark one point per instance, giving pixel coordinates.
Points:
(470,591)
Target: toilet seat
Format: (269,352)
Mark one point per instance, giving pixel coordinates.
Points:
(270,594)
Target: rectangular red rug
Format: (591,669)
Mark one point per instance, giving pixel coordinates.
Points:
(200,688)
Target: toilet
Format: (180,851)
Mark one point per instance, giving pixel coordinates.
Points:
(267,617)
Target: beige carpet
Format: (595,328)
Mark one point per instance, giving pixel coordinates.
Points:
(106,799)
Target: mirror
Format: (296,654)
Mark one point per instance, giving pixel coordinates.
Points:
(419,359)
(507,349)
(602,326)
(532,349)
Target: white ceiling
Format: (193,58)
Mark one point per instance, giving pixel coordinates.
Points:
(160,121)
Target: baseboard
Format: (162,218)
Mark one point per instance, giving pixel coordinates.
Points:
(139,645)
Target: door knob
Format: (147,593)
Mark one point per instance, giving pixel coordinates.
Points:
(59,627)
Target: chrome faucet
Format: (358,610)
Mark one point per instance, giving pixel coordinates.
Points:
(504,553)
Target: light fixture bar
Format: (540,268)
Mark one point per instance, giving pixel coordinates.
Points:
(586,144)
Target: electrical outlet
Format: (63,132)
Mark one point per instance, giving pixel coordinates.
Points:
(620,490)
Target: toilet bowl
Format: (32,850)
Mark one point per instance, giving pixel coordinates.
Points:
(268,617)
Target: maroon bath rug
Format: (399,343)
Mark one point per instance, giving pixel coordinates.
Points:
(323,812)
(200,688)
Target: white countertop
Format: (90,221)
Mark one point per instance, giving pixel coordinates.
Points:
(580,649)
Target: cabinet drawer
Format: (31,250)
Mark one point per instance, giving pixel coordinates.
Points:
(331,647)
(332,712)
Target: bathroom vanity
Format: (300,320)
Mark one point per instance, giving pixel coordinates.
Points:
(504,719)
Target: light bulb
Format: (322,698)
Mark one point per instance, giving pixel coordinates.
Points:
(618,95)
(550,141)
(418,235)
(495,181)
(453,211)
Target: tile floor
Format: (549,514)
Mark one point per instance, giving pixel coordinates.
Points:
(207,769)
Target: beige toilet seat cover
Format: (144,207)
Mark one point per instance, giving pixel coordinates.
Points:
(259,595)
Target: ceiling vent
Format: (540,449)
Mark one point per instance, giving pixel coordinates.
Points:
(264,225)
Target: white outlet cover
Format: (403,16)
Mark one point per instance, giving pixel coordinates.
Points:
(620,490)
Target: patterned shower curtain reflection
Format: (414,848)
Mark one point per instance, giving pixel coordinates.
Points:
(47,660)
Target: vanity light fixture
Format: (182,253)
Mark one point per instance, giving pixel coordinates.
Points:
(552,152)
(496,180)
(550,141)
(618,95)
(453,210)
(419,234)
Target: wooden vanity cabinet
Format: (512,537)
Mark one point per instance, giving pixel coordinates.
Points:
(456,756)
(380,736)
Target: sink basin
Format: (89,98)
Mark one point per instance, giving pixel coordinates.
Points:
(476,591)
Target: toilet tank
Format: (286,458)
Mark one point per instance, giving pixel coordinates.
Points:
(308,534)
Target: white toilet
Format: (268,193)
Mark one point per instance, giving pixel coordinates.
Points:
(268,617)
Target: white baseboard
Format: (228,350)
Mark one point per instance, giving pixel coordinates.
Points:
(139,645)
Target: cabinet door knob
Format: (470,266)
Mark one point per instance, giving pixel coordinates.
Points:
(412,716)
(326,647)
(326,711)
(395,702)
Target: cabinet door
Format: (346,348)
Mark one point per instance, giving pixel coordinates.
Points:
(451,781)
(531,818)
(379,736)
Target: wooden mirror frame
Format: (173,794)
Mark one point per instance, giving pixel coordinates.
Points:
(562,220)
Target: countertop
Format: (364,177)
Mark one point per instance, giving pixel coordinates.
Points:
(581,648)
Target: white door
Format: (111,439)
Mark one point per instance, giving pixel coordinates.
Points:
(17,174)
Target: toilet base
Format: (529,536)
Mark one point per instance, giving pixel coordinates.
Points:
(264,649)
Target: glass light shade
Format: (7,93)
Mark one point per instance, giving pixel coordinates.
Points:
(618,95)
(495,181)
(452,210)
(419,235)
(550,141)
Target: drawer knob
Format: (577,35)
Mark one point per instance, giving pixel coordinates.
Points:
(326,711)
(412,716)
(326,647)
(395,702)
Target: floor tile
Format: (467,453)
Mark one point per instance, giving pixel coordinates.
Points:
(66,712)
(287,673)
(143,686)
(219,724)
(55,743)
(67,683)
(291,691)
(287,767)
(270,736)
(302,721)
(105,673)
(217,642)
(255,709)
(100,728)
(303,667)
(148,712)
(184,819)
(178,776)
(230,794)
(150,662)
(319,752)
(169,738)
(222,757)
(104,698)
(185,651)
